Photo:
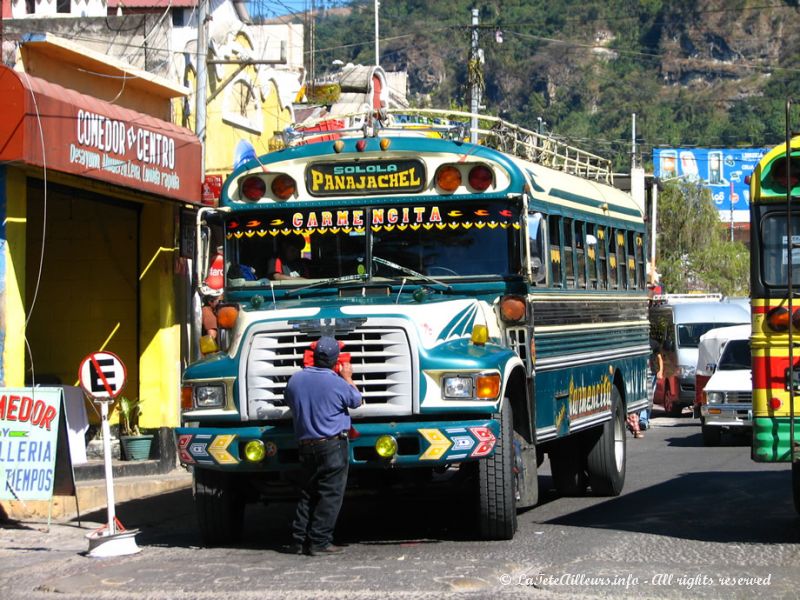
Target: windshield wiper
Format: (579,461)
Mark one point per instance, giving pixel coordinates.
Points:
(325,282)
(407,271)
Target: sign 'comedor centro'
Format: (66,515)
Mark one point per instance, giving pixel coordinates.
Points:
(109,135)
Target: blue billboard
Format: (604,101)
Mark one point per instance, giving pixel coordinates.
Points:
(721,170)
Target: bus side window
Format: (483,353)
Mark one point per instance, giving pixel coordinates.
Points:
(641,275)
(591,255)
(602,258)
(569,254)
(537,228)
(580,253)
(612,258)
(555,250)
(633,275)
(622,264)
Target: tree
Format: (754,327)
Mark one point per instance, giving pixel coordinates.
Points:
(692,251)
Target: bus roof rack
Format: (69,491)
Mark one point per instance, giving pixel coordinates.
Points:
(545,149)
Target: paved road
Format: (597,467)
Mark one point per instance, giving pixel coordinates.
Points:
(692,521)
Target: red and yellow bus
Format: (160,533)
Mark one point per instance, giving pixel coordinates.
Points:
(775,284)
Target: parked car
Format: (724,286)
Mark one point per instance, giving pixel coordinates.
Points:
(708,353)
(728,396)
(676,327)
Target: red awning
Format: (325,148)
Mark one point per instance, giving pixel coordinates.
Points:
(50,126)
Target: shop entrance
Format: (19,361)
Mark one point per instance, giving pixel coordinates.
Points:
(86,297)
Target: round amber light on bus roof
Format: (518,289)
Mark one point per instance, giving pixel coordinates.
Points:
(227,316)
(448,178)
(283,187)
(254,188)
(778,319)
(480,178)
(512,309)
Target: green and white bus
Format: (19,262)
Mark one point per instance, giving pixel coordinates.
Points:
(493,304)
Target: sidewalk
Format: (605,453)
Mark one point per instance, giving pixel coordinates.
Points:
(132,480)
(91,495)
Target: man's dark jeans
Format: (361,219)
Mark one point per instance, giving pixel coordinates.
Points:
(325,467)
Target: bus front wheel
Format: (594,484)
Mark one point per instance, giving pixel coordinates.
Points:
(497,507)
(219,505)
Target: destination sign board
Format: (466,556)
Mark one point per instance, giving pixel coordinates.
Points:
(365,177)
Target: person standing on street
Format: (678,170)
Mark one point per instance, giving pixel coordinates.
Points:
(319,400)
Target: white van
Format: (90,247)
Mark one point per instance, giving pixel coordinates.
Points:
(728,395)
(708,353)
(675,329)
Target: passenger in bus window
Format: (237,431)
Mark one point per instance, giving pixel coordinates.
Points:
(289,263)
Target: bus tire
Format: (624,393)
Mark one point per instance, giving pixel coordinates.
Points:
(712,436)
(567,469)
(796,486)
(219,505)
(497,507)
(606,459)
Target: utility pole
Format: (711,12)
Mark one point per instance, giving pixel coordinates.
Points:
(202,81)
(474,70)
(633,142)
(377,49)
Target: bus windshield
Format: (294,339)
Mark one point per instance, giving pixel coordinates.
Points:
(295,246)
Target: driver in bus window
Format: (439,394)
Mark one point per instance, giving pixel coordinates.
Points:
(288,264)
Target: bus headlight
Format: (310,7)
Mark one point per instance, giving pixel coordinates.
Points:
(480,386)
(715,397)
(209,396)
(457,386)
(687,372)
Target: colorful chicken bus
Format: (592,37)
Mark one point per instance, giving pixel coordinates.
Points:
(493,307)
(774,279)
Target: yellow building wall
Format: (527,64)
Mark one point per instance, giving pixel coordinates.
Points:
(136,97)
(12,318)
(159,333)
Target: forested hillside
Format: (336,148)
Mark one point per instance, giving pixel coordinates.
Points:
(695,72)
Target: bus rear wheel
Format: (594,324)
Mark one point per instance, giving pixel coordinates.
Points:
(796,486)
(497,507)
(606,459)
(219,505)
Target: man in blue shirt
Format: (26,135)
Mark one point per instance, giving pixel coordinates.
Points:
(319,400)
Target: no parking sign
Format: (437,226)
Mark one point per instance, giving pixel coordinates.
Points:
(102,375)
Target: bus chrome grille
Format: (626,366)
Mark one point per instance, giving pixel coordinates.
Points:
(381,359)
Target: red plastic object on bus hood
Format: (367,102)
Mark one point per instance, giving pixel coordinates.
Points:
(308,356)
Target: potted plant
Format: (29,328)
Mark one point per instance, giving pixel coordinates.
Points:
(135,444)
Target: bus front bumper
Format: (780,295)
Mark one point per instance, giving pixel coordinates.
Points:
(419,444)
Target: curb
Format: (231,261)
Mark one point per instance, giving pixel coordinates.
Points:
(91,496)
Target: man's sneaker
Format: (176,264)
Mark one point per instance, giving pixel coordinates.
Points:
(326,551)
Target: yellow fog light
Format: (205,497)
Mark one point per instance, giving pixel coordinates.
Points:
(386,446)
(254,451)
(480,335)
(487,386)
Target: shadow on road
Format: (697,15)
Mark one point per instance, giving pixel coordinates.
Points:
(745,507)
(391,518)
